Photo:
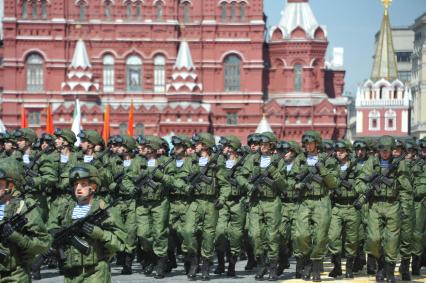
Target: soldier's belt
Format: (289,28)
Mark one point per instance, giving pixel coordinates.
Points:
(205,197)
(76,271)
(384,199)
(177,197)
(287,199)
(313,197)
(345,201)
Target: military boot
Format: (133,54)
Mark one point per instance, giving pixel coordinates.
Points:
(349,267)
(300,264)
(36,275)
(316,270)
(307,269)
(151,262)
(380,274)
(261,268)
(337,270)
(404,269)
(359,261)
(283,261)
(193,266)
(120,258)
(231,266)
(171,261)
(220,268)
(161,268)
(251,261)
(416,265)
(205,270)
(127,266)
(273,266)
(371,265)
(390,269)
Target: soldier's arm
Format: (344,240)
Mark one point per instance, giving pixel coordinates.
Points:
(224,184)
(331,173)
(243,174)
(48,173)
(361,182)
(406,189)
(280,178)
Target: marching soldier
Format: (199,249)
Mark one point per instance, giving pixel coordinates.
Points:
(384,182)
(23,239)
(262,180)
(418,169)
(317,176)
(104,238)
(345,219)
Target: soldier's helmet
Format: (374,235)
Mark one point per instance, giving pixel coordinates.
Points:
(12,171)
(181,140)
(84,171)
(92,137)
(66,134)
(152,142)
(327,145)
(422,143)
(399,143)
(253,138)
(267,137)
(205,138)
(386,143)
(128,142)
(48,138)
(232,141)
(26,133)
(140,140)
(343,144)
(360,144)
(311,136)
(410,144)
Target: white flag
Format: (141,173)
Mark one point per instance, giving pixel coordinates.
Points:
(76,121)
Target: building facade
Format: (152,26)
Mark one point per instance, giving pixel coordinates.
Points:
(187,66)
(383,102)
(418,78)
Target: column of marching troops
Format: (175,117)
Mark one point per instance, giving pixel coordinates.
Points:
(82,208)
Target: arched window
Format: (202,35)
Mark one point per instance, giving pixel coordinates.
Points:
(108,62)
(232,73)
(44,9)
(33,9)
(186,10)
(108,9)
(82,9)
(134,73)
(138,10)
(381,92)
(374,120)
(298,77)
(24,10)
(159,11)
(139,129)
(123,129)
(243,11)
(395,92)
(233,12)
(35,78)
(128,5)
(159,73)
(390,120)
(223,12)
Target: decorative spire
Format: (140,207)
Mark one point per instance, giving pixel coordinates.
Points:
(263,125)
(80,58)
(385,66)
(184,58)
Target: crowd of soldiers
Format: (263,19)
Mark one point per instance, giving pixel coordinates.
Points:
(82,208)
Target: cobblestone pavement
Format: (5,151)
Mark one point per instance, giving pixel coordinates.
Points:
(178,275)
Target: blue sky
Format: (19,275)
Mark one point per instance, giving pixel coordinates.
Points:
(352,24)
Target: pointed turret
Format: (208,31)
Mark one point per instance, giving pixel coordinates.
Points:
(79,75)
(263,125)
(184,76)
(385,66)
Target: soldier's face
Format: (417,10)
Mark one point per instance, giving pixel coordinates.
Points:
(265,147)
(341,154)
(114,148)
(361,152)
(179,149)
(83,189)
(121,150)
(310,147)
(21,143)
(198,147)
(190,151)
(5,189)
(254,147)
(84,145)
(44,145)
(423,151)
(8,146)
(385,154)
(397,152)
(59,142)
(289,156)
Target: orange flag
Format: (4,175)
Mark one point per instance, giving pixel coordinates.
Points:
(105,131)
(24,121)
(130,122)
(49,120)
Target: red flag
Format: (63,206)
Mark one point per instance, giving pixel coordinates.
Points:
(130,122)
(49,120)
(105,131)
(24,121)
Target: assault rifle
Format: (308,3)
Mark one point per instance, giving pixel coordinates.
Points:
(305,179)
(17,222)
(262,178)
(345,175)
(69,236)
(374,181)
(196,178)
(235,167)
(144,180)
(28,168)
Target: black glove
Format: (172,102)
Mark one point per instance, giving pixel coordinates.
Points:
(218,204)
(29,182)
(88,228)
(158,176)
(6,231)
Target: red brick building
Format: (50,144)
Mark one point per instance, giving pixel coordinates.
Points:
(188,66)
